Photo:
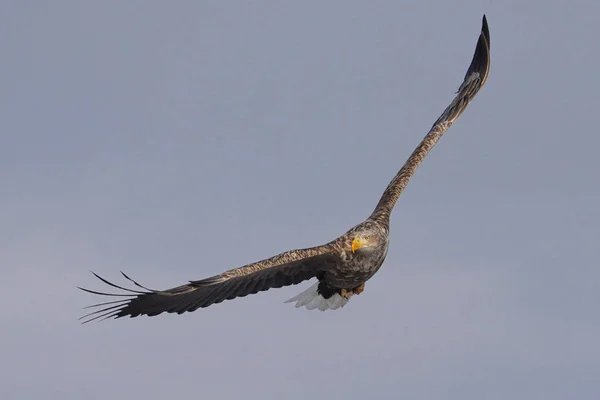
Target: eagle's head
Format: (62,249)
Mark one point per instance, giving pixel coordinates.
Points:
(368,237)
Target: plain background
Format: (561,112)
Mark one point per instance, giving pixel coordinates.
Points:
(175,140)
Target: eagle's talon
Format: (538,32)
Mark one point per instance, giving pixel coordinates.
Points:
(345,293)
(359,289)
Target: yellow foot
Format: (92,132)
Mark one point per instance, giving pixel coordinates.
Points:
(359,289)
(346,293)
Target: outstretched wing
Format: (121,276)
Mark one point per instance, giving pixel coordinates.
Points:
(474,79)
(285,269)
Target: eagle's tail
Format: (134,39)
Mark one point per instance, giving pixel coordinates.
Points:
(312,299)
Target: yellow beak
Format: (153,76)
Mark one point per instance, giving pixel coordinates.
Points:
(357,244)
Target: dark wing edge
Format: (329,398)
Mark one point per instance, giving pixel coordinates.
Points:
(475,78)
(481,57)
(285,269)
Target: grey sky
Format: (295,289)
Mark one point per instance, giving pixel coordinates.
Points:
(174,140)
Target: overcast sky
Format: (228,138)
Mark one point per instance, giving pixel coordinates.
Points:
(175,140)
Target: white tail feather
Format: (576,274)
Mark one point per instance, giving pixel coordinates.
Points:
(313,300)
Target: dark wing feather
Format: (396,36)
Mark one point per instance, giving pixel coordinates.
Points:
(475,77)
(285,269)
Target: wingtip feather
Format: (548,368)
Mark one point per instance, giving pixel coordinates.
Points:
(485,29)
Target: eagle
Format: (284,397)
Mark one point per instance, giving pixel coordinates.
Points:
(341,266)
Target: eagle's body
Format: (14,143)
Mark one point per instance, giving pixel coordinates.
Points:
(341,266)
(355,268)
(351,269)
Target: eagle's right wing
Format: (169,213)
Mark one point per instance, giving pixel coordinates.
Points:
(285,269)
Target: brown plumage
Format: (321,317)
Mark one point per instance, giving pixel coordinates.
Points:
(341,266)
